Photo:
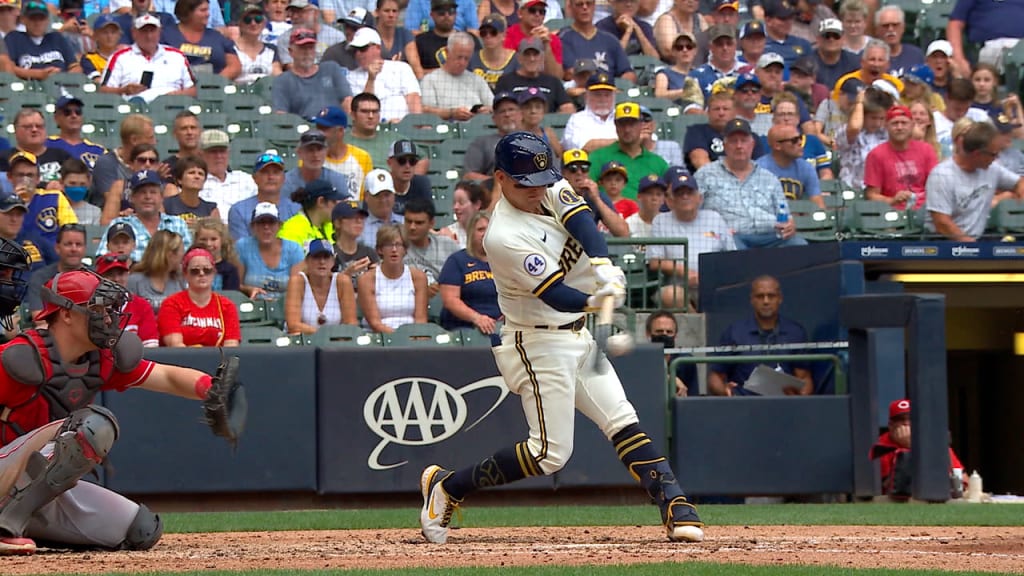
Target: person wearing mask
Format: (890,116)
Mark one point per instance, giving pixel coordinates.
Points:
(661,328)
(75,178)
(318,296)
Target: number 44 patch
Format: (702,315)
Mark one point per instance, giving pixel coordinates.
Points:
(535,265)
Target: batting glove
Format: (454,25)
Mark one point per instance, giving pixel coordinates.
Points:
(607,273)
(617,291)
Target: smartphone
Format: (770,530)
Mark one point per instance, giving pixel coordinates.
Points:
(147,79)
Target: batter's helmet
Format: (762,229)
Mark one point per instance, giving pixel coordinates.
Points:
(12,285)
(526,159)
(88,293)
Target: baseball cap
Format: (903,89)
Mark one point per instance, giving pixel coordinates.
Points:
(265,211)
(1002,121)
(400,148)
(940,46)
(574,155)
(34,7)
(887,87)
(725,4)
(332,116)
(804,64)
(650,181)
(685,34)
(266,159)
(852,86)
(529,3)
(312,138)
(897,111)
(348,210)
(16,4)
(363,37)
(378,181)
(531,93)
(922,74)
(103,20)
(302,36)
(145,177)
(530,44)
(10,202)
(671,172)
(737,125)
(721,31)
(614,166)
(112,261)
(120,229)
(830,25)
(495,21)
(584,65)
(627,111)
(22,156)
(600,81)
(899,408)
(751,28)
(323,189)
(63,101)
(357,17)
(320,246)
(214,139)
(146,20)
(645,113)
(502,96)
(435,4)
(683,179)
(779,9)
(300,4)
(769,58)
(253,9)
(747,78)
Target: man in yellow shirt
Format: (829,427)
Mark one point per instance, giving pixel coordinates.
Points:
(48,210)
(354,162)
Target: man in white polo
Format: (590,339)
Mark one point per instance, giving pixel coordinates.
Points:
(148,69)
(223,185)
(392,81)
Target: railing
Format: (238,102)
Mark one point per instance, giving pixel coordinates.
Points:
(644,285)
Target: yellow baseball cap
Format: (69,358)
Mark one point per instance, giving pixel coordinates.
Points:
(23,156)
(627,110)
(574,155)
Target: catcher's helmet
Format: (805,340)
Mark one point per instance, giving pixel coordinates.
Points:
(526,159)
(13,285)
(89,293)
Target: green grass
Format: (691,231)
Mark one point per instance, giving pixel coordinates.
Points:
(880,514)
(663,569)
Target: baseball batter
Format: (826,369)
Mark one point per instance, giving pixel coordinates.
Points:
(551,267)
(50,433)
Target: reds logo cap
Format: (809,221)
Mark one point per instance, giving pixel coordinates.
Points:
(899,408)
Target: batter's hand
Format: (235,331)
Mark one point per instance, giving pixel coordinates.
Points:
(607,273)
(616,291)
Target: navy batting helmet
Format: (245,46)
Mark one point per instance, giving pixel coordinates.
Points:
(526,159)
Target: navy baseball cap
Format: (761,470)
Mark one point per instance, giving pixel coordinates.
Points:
(526,159)
(645,114)
(683,180)
(601,81)
(331,117)
(105,20)
(1002,121)
(531,93)
(671,172)
(10,202)
(779,9)
(747,78)
(503,96)
(752,28)
(266,159)
(63,101)
(650,181)
(144,177)
(737,125)
(120,229)
(348,210)
(318,247)
(614,166)
(322,188)
(852,86)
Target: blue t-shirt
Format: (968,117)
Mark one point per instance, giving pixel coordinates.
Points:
(85,150)
(791,49)
(240,214)
(52,50)
(211,50)
(604,49)
(909,57)
(828,74)
(258,274)
(799,181)
(633,46)
(477,288)
(126,22)
(747,332)
(402,37)
(417,16)
(989,19)
(704,137)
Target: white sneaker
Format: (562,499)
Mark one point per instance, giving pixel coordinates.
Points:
(437,505)
(11,545)
(682,522)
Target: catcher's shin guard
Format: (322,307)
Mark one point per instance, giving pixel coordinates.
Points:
(145,530)
(82,442)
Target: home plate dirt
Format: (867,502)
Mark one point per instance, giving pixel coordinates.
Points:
(945,548)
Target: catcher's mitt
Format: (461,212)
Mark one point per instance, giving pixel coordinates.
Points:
(225,407)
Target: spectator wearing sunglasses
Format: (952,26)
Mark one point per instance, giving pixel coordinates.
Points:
(576,170)
(198,316)
(258,58)
(68,114)
(304,313)
(70,248)
(138,312)
(532,15)
(493,60)
(419,15)
(48,210)
(402,161)
(799,180)
(432,44)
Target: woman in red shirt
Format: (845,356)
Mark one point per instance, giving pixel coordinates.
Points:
(198,316)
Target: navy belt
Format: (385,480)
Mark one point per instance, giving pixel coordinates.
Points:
(576,325)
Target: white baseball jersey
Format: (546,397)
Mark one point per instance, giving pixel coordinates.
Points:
(531,252)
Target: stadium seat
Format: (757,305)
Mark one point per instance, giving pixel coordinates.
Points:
(264,336)
(813,223)
(213,121)
(419,335)
(1008,216)
(425,128)
(873,219)
(71,82)
(473,338)
(175,103)
(341,335)
(250,312)
(476,126)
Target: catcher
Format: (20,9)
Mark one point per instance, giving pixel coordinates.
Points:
(51,435)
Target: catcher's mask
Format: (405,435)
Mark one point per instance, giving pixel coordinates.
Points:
(86,292)
(14,265)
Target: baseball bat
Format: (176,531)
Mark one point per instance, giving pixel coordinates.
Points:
(602,330)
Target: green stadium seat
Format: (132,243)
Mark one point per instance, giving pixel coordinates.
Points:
(473,338)
(1008,216)
(265,336)
(251,312)
(419,335)
(426,128)
(813,223)
(342,335)
(873,219)
(213,121)
(72,82)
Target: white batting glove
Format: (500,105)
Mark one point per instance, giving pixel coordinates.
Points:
(617,291)
(607,273)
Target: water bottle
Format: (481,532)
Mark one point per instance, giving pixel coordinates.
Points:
(974,487)
(781,217)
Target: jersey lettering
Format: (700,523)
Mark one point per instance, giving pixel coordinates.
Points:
(571,253)
(477,276)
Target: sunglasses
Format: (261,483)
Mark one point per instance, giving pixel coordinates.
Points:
(578,167)
(147,160)
(750,90)
(488,32)
(111,258)
(682,47)
(445,11)
(793,140)
(204,271)
(257,18)
(407,160)
(71,111)
(831,36)
(72,228)
(537,10)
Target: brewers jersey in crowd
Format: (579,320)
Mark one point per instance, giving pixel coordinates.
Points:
(537,251)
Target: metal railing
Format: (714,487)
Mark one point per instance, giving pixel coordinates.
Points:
(643,285)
